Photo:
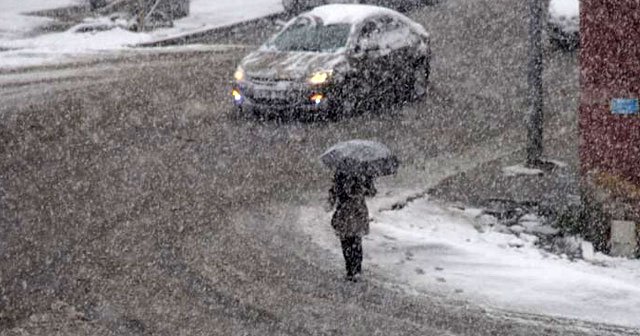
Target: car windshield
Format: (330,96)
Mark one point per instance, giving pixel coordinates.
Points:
(306,35)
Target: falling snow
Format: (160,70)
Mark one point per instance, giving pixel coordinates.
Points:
(171,182)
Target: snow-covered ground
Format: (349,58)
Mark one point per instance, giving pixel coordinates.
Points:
(207,14)
(22,49)
(59,47)
(15,24)
(429,247)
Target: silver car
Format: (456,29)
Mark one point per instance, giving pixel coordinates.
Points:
(335,60)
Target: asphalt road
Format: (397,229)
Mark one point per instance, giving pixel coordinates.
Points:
(133,203)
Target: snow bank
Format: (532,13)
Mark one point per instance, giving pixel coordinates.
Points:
(58,47)
(428,247)
(14,24)
(71,42)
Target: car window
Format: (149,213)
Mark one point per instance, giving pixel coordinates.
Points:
(385,32)
(394,33)
(369,29)
(310,35)
(369,34)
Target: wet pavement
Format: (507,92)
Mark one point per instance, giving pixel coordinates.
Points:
(133,194)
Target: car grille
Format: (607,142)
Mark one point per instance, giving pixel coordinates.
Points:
(281,98)
(288,94)
(263,80)
(269,81)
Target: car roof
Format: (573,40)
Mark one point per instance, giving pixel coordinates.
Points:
(348,13)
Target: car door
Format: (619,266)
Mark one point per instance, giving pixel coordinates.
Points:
(397,44)
(393,59)
(368,60)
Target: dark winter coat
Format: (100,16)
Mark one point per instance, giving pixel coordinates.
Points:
(351,217)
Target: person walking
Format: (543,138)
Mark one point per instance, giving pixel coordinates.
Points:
(351,217)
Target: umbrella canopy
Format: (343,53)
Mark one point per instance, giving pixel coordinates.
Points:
(361,156)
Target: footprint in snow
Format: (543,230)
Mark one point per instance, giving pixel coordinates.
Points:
(408,255)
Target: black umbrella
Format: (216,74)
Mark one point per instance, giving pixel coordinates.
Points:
(361,156)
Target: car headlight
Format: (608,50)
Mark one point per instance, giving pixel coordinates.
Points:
(320,77)
(239,74)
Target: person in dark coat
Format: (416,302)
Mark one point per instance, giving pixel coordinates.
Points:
(351,218)
(369,187)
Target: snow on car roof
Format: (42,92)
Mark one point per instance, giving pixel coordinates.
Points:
(347,13)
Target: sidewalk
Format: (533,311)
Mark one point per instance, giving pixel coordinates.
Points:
(453,241)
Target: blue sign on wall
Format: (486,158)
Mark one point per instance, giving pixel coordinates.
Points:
(624,106)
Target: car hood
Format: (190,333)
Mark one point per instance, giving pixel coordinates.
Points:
(268,64)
